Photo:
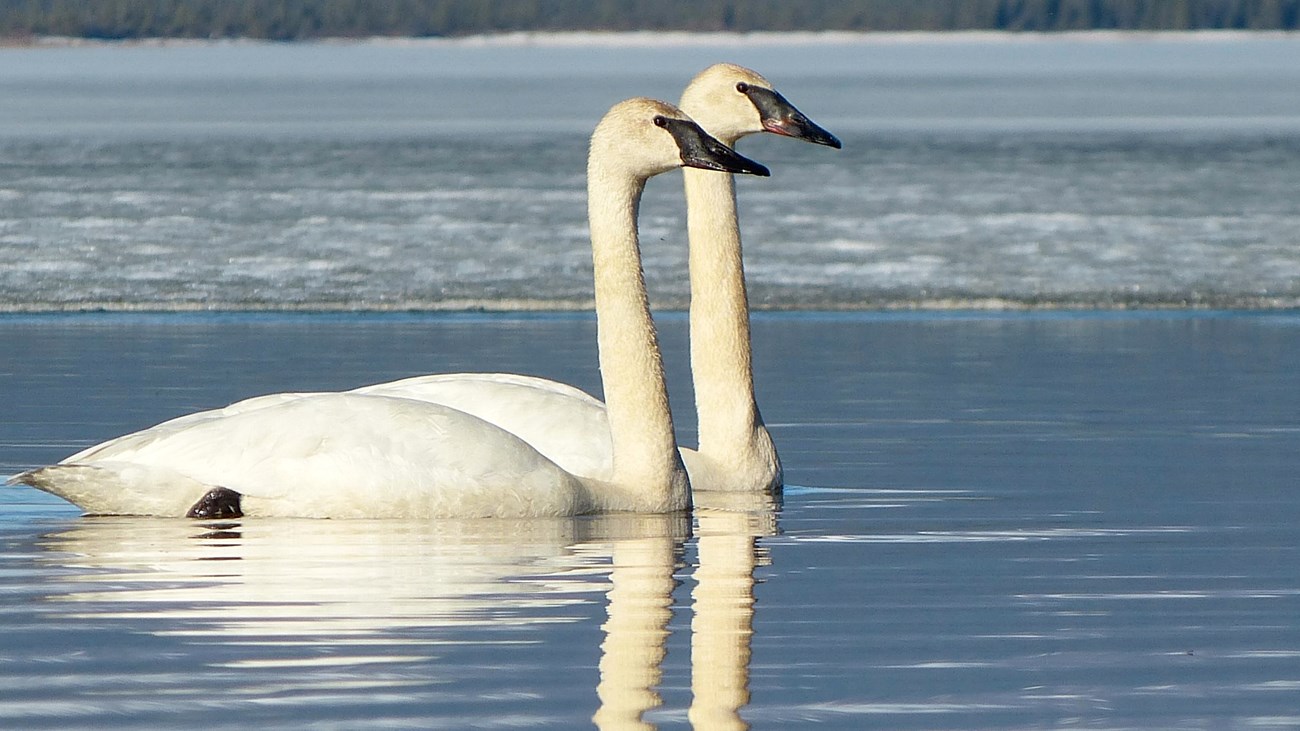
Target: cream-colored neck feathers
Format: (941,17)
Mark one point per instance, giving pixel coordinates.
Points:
(734,444)
(646,460)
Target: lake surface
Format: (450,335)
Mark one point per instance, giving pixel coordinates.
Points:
(1018,521)
(978,170)
(1077,516)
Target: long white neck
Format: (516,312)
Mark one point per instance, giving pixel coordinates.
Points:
(646,461)
(732,435)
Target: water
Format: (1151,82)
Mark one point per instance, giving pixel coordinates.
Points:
(1015,521)
(978,171)
(1046,519)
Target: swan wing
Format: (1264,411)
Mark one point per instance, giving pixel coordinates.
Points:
(564,423)
(128,442)
(426,383)
(332,455)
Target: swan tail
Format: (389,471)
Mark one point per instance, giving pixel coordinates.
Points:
(118,489)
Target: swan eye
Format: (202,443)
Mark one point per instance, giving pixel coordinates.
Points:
(661,120)
(742,87)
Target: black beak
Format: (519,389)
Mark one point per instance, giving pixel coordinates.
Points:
(780,117)
(699,150)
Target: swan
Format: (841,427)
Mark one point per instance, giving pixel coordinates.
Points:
(735,452)
(354,455)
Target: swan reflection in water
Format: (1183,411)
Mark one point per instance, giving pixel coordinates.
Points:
(284,588)
(722,623)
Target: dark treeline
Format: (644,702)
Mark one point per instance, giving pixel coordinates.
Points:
(308,19)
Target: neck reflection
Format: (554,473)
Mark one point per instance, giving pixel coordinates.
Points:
(722,628)
(640,608)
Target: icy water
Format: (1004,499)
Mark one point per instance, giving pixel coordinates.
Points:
(1020,521)
(1045,519)
(977,170)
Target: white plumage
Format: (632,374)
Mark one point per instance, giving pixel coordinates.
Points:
(736,452)
(343,455)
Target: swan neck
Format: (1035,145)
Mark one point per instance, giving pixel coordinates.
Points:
(646,460)
(721,357)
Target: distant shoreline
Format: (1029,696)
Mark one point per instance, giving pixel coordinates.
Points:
(683,38)
(992,305)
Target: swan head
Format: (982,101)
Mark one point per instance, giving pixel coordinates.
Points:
(732,101)
(648,137)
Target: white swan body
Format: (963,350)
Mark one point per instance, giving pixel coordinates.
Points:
(325,455)
(735,453)
(341,455)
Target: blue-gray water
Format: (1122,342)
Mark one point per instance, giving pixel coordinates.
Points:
(977,171)
(1017,521)
(1039,520)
